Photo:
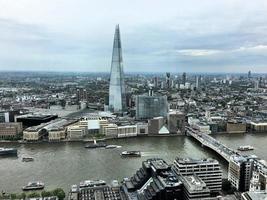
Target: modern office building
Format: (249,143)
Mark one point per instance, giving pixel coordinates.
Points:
(194,188)
(240,172)
(208,170)
(148,107)
(176,122)
(117,95)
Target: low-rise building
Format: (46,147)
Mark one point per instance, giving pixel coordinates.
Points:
(76,132)
(236,127)
(10,130)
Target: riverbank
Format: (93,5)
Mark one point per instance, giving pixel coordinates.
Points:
(84,139)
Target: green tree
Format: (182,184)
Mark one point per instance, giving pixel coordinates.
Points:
(46,194)
(59,192)
(33,195)
(22,196)
(13,196)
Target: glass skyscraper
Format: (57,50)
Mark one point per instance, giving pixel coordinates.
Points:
(117,97)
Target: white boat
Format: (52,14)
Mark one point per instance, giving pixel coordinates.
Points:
(111,146)
(34,186)
(92,183)
(245,148)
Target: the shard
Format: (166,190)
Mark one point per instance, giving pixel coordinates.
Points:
(117,98)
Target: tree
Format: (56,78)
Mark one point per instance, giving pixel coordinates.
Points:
(33,195)
(46,193)
(59,192)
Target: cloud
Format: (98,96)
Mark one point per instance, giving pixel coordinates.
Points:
(156,35)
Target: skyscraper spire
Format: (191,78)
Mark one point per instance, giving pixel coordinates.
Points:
(117,98)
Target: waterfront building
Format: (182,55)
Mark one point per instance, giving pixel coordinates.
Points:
(82,94)
(10,130)
(76,132)
(208,170)
(176,122)
(240,172)
(142,128)
(127,131)
(194,188)
(117,95)
(258,126)
(155,124)
(148,107)
(236,127)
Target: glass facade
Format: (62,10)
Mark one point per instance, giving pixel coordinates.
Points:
(117,97)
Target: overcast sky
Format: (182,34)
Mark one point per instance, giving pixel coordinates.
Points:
(157,35)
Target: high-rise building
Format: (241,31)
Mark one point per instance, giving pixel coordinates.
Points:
(117,97)
(184,78)
(197,82)
(148,107)
(249,74)
(208,170)
(176,122)
(168,83)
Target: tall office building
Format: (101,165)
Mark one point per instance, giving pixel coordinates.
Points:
(148,107)
(168,77)
(184,78)
(117,97)
(208,170)
(240,172)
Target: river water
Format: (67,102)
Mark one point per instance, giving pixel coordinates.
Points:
(65,164)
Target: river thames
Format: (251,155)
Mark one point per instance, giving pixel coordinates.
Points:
(65,164)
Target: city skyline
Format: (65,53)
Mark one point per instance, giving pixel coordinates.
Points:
(227,36)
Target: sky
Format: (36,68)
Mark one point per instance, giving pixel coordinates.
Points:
(157,35)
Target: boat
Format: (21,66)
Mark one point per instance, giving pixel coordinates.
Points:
(74,188)
(34,186)
(111,146)
(246,148)
(92,183)
(96,145)
(27,159)
(131,154)
(8,151)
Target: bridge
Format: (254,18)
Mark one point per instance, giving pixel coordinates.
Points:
(211,143)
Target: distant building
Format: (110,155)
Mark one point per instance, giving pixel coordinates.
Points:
(176,122)
(10,130)
(236,127)
(76,132)
(184,78)
(208,170)
(53,131)
(155,124)
(34,119)
(148,107)
(258,126)
(117,94)
(168,80)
